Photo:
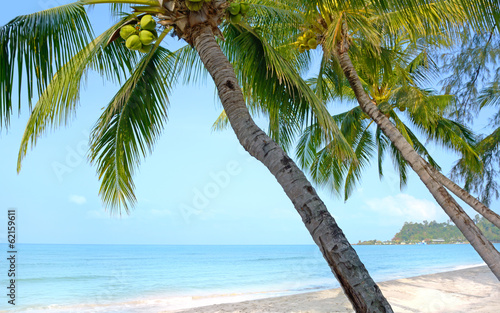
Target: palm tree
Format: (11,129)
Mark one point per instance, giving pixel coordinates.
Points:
(57,49)
(336,25)
(392,80)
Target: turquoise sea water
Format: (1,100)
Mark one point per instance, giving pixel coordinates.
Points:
(152,278)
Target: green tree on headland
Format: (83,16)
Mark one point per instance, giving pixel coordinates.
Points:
(449,233)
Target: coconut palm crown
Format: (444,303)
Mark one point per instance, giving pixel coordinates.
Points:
(395,88)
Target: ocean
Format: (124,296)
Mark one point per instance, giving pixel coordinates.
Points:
(155,278)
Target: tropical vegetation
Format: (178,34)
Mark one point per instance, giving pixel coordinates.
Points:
(437,233)
(254,51)
(447,232)
(131,123)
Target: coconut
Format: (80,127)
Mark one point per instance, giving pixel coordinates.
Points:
(244,8)
(133,43)
(235,19)
(234,8)
(312,42)
(309,34)
(146,37)
(194,6)
(302,48)
(147,22)
(127,31)
(146,49)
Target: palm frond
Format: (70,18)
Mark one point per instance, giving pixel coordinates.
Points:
(400,165)
(272,83)
(189,66)
(330,83)
(363,149)
(221,123)
(320,158)
(489,143)
(427,115)
(382,144)
(130,125)
(280,17)
(483,15)
(33,47)
(58,102)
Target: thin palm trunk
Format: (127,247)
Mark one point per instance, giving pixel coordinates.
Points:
(483,247)
(359,287)
(477,205)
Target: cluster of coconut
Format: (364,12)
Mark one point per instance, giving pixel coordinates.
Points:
(237,10)
(307,41)
(195,5)
(140,36)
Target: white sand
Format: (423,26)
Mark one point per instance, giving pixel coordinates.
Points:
(473,290)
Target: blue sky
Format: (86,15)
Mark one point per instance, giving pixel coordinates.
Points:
(198,187)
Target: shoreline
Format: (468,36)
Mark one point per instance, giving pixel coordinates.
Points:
(473,289)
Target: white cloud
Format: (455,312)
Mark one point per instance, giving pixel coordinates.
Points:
(77,199)
(406,207)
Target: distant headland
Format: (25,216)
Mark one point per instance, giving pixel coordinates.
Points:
(436,233)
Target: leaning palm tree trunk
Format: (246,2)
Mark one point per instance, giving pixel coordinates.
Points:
(483,247)
(474,203)
(359,287)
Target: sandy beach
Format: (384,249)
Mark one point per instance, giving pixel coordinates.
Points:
(467,290)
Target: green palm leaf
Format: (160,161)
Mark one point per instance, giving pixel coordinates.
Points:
(321,157)
(364,148)
(38,45)
(59,100)
(189,66)
(130,125)
(272,84)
